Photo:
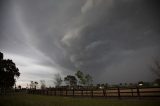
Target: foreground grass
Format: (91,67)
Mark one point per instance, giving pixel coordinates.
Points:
(35,100)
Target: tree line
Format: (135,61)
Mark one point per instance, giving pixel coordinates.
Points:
(79,78)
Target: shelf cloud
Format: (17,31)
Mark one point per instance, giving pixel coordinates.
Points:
(113,40)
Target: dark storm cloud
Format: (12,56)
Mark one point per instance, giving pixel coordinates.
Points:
(113,40)
(112,35)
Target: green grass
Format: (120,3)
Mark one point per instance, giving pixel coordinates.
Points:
(35,100)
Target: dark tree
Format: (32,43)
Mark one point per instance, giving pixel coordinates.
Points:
(157,81)
(1,56)
(8,72)
(33,84)
(88,79)
(71,80)
(84,79)
(19,87)
(156,69)
(81,77)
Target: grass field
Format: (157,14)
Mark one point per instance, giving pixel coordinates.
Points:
(36,100)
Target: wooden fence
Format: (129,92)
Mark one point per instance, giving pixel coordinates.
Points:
(109,92)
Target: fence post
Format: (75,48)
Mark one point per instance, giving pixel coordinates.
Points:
(132,91)
(119,95)
(55,92)
(138,93)
(73,91)
(43,92)
(62,91)
(104,92)
(50,92)
(92,92)
(66,92)
(82,92)
(47,92)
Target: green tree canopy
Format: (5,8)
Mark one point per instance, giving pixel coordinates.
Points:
(81,77)
(84,79)
(71,80)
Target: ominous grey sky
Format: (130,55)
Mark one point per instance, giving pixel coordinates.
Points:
(113,40)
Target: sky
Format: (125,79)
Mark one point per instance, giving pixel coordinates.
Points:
(115,41)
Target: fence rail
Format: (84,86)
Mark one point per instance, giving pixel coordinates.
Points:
(109,92)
